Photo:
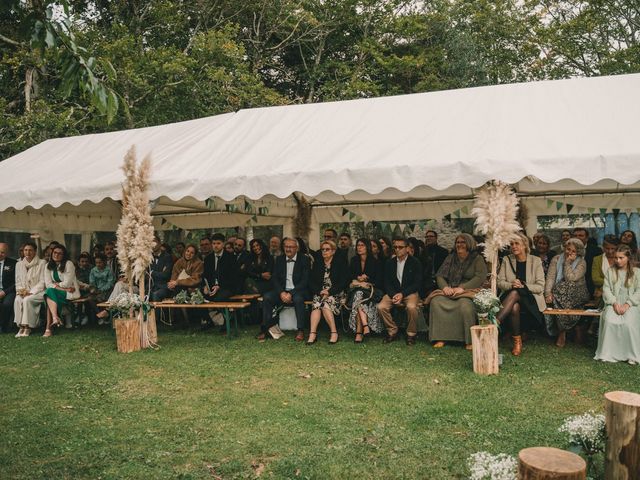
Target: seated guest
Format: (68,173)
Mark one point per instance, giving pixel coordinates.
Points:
(365,276)
(387,251)
(101,283)
(160,270)
(275,246)
(205,247)
(402,279)
(452,313)
(345,248)
(521,279)
(564,236)
(591,251)
(327,283)
(29,290)
(240,250)
(166,248)
(112,258)
(61,286)
(97,248)
(228,247)
(258,268)
(290,287)
(414,248)
(376,249)
(619,339)
(433,254)
(221,271)
(178,251)
(7,287)
(602,263)
(628,238)
(566,286)
(543,251)
(83,270)
(186,272)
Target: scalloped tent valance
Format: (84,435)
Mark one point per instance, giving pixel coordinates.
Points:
(565,136)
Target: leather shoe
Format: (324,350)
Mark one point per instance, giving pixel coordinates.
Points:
(300,336)
(411,340)
(262,337)
(389,338)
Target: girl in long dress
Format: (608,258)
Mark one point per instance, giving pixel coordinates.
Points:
(619,338)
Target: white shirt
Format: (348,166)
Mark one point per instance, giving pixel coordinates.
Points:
(290,265)
(1,271)
(400,268)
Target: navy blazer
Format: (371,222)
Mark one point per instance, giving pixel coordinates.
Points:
(411,277)
(337,273)
(160,270)
(372,269)
(9,276)
(227,274)
(301,273)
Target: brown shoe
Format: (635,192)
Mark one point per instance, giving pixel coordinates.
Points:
(300,336)
(390,338)
(411,339)
(262,337)
(517,346)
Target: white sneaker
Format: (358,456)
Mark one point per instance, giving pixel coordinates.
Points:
(632,362)
(27,332)
(20,333)
(84,321)
(100,321)
(67,323)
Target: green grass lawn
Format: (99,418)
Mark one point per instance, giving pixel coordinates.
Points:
(204,406)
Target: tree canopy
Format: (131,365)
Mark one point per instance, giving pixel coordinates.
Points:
(72,67)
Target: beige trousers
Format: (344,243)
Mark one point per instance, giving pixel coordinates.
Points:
(411,304)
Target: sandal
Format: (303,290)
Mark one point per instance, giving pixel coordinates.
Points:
(365,329)
(56,322)
(358,340)
(337,338)
(47,333)
(438,345)
(315,339)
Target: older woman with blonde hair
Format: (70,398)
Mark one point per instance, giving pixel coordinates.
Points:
(452,313)
(29,290)
(328,281)
(566,287)
(521,279)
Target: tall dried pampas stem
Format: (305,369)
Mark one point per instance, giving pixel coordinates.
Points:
(135,231)
(496,211)
(302,220)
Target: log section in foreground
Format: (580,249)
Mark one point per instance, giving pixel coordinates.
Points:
(545,463)
(622,454)
(484,339)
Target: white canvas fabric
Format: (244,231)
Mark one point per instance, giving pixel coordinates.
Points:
(562,136)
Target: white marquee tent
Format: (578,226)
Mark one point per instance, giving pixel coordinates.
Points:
(412,156)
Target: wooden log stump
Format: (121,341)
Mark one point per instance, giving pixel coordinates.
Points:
(484,340)
(127,334)
(622,453)
(542,463)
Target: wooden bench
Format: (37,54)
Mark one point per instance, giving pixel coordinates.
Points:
(573,311)
(227,309)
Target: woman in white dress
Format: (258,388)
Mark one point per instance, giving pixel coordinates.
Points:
(29,290)
(619,339)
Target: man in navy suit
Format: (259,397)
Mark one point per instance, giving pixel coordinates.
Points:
(402,279)
(7,288)
(291,287)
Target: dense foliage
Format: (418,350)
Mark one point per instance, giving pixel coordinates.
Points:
(70,67)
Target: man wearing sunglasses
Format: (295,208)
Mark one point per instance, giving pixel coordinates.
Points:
(402,279)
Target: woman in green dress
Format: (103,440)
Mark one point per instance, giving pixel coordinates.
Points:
(619,339)
(62,286)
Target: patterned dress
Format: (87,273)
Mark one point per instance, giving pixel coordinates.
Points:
(332,302)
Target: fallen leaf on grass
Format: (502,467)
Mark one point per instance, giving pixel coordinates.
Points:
(297,473)
(67,407)
(304,375)
(436,381)
(574,392)
(258,468)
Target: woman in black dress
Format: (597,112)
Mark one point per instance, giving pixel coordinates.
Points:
(258,268)
(365,276)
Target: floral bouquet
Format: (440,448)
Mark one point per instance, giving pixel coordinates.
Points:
(127,304)
(487,304)
(587,436)
(485,466)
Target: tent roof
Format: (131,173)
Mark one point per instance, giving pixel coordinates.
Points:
(549,136)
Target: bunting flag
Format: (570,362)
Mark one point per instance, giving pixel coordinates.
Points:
(163,221)
(465,210)
(457,213)
(603,211)
(344,211)
(549,203)
(591,209)
(616,212)
(447,217)
(559,205)
(351,215)
(569,207)
(209,203)
(248,207)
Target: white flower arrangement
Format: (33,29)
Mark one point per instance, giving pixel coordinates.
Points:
(485,466)
(127,304)
(486,302)
(586,431)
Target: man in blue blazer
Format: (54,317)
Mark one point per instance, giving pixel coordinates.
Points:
(291,287)
(402,279)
